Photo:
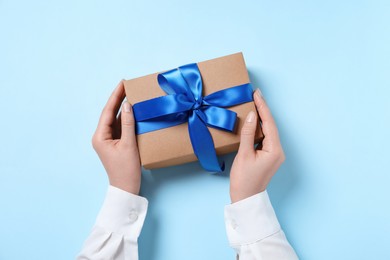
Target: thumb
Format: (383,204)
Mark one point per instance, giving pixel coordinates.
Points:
(128,124)
(248,131)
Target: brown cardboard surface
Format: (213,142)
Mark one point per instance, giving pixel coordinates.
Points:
(172,146)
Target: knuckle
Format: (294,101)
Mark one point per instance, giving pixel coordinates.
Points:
(241,157)
(279,155)
(283,157)
(130,146)
(244,154)
(247,130)
(129,122)
(95,142)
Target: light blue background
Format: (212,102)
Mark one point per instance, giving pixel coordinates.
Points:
(323,67)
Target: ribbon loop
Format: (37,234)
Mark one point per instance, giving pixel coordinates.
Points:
(230,96)
(219,118)
(166,105)
(184,103)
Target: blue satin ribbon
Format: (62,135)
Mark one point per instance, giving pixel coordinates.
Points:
(184,103)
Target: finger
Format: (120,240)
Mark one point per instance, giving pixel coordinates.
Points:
(108,116)
(128,124)
(247,139)
(270,131)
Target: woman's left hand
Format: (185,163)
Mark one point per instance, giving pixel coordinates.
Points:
(116,144)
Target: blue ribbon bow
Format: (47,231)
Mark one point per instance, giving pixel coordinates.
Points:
(185,103)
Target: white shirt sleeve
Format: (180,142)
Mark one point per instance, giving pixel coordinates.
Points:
(254,231)
(117,227)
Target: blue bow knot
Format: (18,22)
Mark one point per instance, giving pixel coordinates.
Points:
(184,103)
(198,103)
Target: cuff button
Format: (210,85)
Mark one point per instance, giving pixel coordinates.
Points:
(233,224)
(133,216)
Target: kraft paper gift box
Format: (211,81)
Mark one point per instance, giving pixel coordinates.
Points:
(172,146)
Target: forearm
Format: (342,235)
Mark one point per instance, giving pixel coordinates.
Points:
(117,227)
(254,231)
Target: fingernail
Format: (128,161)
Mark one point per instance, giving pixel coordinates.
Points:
(126,107)
(250,117)
(258,93)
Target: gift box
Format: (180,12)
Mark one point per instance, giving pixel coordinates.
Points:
(177,125)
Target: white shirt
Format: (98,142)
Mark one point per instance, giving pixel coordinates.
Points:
(251,226)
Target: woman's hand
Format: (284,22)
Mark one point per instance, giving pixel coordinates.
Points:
(252,168)
(115,143)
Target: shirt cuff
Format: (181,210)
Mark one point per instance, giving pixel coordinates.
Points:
(122,212)
(250,220)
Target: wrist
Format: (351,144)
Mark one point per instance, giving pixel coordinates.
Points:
(125,186)
(236,196)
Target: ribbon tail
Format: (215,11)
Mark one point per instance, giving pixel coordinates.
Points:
(203,144)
